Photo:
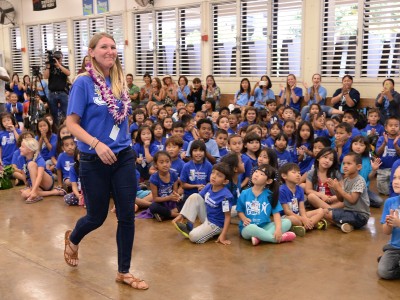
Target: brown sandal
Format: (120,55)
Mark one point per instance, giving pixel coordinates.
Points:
(132,281)
(69,257)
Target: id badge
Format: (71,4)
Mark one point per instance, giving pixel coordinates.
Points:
(322,189)
(114,132)
(341,108)
(225,206)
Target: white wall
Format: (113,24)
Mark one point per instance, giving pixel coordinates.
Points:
(72,9)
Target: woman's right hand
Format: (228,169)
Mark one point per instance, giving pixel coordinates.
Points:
(105,154)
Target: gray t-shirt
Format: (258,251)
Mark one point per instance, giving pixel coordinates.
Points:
(357,185)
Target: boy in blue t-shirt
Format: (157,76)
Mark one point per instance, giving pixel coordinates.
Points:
(388,150)
(373,128)
(65,161)
(291,197)
(351,117)
(212,206)
(188,123)
(343,140)
(221,137)
(389,267)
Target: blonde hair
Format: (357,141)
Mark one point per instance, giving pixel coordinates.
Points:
(288,91)
(33,145)
(118,81)
(312,92)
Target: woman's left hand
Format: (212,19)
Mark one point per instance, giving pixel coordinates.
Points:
(105,154)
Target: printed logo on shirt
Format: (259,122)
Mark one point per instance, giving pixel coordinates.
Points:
(9,140)
(254,208)
(209,201)
(194,174)
(98,100)
(67,166)
(389,152)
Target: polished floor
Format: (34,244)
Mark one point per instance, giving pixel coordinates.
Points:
(322,265)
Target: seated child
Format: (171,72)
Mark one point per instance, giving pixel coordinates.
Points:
(388,266)
(212,206)
(9,134)
(354,195)
(47,143)
(164,188)
(351,117)
(190,128)
(40,180)
(18,172)
(221,137)
(76,197)
(256,205)
(343,140)
(373,128)
(291,197)
(65,161)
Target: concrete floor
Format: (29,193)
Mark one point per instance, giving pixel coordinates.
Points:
(323,265)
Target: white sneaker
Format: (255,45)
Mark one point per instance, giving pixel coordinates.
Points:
(346,227)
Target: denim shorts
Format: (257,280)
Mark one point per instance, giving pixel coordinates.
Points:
(354,218)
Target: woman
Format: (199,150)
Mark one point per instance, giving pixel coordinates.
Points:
(243,96)
(170,91)
(346,97)
(145,90)
(317,94)
(107,162)
(212,91)
(17,87)
(183,89)
(291,94)
(388,101)
(157,94)
(262,92)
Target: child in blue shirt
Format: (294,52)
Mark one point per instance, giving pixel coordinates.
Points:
(388,267)
(212,206)
(173,146)
(65,161)
(373,128)
(291,197)
(9,135)
(221,137)
(145,150)
(289,128)
(17,160)
(138,119)
(164,188)
(282,154)
(159,139)
(343,140)
(304,146)
(256,205)
(76,197)
(351,117)
(15,108)
(47,143)
(191,133)
(251,147)
(387,148)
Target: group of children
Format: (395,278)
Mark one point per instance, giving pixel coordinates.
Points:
(275,174)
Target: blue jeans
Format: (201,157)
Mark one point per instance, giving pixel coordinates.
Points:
(98,182)
(389,264)
(58,99)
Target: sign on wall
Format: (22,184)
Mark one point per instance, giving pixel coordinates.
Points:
(87,7)
(39,5)
(102,6)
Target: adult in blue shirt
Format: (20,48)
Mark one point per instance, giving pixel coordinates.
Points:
(107,162)
(262,92)
(291,95)
(243,96)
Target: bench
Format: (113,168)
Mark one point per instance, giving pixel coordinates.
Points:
(227,99)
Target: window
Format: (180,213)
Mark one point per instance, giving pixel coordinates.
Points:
(168,42)
(47,37)
(16,57)
(264,37)
(86,28)
(371,49)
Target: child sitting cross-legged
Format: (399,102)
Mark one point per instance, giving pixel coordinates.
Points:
(291,197)
(353,193)
(256,205)
(65,161)
(212,206)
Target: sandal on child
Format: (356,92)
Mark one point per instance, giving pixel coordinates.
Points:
(74,255)
(132,281)
(34,200)
(61,190)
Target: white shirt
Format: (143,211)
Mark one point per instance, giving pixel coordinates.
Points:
(3,72)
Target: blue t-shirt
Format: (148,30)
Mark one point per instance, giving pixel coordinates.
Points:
(160,144)
(195,174)
(235,189)
(345,150)
(222,153)
(243,99)
(8,145)
(139,149)
(257,209)
(85,100)
(299,93)
(16,159)
(41,164)
(177,166)
(355,132)
(188,136)
(18,114)
(213,201)
(321,132)
(73,177)
(389,155)
(270,142)
(134,127)
(307,162)
(65,163)
(283,157)
(186,90)
(248,165)
(252,161)
(260,98)
(291,147)
(392,203)
(322,93)
(45,152)
(165,188)
(286,196)
(379,129)
(231,131)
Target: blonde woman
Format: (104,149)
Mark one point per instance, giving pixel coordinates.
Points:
(291,95)
(98,117)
